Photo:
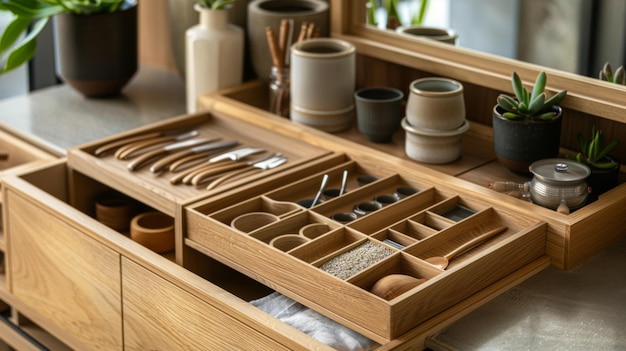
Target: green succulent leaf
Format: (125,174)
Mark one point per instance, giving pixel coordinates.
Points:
(518,87)
(540,85)
(512,115)
(607,70)
(537,104)
(620,76)
(546,116)
(555,99)
(507,103)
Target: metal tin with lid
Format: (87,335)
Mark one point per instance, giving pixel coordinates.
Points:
(559,179)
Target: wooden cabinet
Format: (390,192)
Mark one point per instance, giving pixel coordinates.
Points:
(68,280)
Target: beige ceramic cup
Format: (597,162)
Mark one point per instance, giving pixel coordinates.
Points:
(323,78)
(435,103)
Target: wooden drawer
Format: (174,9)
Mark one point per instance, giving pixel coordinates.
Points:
(73,276)
(203,226)
(430,222)
(572,239)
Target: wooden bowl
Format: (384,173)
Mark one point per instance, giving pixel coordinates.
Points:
(153,230)
(394,285)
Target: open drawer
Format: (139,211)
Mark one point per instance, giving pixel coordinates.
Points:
(330,256)
(156,188)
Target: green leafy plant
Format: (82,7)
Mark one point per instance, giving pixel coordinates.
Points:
(532,105)
(607,74)
(214,4)
(393,17)
(593,151)
(20,49)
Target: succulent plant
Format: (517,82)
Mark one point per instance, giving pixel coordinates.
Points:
(593,151)
(607,74)
(532,105)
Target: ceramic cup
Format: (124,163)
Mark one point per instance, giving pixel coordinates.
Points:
(436,147)
(378,112)
(435,103)
(323,77)
(442,35)
(153,230)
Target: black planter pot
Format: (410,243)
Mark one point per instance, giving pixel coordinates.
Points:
(97,54)
(518,144)
(602,180)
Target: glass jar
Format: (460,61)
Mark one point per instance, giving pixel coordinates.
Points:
(279,91)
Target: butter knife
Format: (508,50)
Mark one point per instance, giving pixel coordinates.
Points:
(206,149)
(148,156)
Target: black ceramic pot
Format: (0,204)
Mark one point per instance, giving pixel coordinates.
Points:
(518,144)
(97,54)
(602,180)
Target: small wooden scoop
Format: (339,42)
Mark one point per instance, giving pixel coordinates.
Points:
(443,261)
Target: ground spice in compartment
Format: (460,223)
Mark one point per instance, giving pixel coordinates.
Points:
(353,261)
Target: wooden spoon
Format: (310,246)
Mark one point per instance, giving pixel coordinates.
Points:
(443,261)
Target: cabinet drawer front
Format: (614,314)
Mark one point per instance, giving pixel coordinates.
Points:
(161,316)
(67,277)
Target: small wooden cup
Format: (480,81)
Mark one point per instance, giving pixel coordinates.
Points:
(115,210)
(153,230)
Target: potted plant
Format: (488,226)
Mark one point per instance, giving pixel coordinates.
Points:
(527,127)
(607,74)
(95,41)
(594,152)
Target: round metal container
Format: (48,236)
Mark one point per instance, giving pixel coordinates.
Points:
(555,179)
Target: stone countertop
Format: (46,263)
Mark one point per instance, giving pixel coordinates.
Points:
(582,309)
(58,117)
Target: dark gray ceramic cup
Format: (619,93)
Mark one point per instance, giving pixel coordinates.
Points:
(379,112)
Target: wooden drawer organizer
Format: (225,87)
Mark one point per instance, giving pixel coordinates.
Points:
(156,189)
(430,222)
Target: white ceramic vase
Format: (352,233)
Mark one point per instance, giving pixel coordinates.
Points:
(323,78)
(214,53)
(435,103)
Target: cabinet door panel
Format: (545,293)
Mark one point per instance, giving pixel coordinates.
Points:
(70,279)
(161,316)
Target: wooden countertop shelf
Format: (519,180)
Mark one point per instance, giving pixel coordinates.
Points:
(572,239)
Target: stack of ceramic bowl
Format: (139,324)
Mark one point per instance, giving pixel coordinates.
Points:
(435,120)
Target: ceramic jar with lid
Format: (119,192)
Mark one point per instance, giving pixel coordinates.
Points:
(555,180)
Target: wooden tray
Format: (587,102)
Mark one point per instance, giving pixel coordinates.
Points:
(156,190)
(432,221)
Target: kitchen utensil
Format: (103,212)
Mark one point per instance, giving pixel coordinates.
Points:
(393,285)
(344,180)
(136,148)
(201,176)
(443,261)
(114,145)
(556,179)
(204,150)
(258,166)
(216,161)
(148,156)
(319,192)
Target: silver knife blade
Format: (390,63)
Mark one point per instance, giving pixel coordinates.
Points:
(236,154)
